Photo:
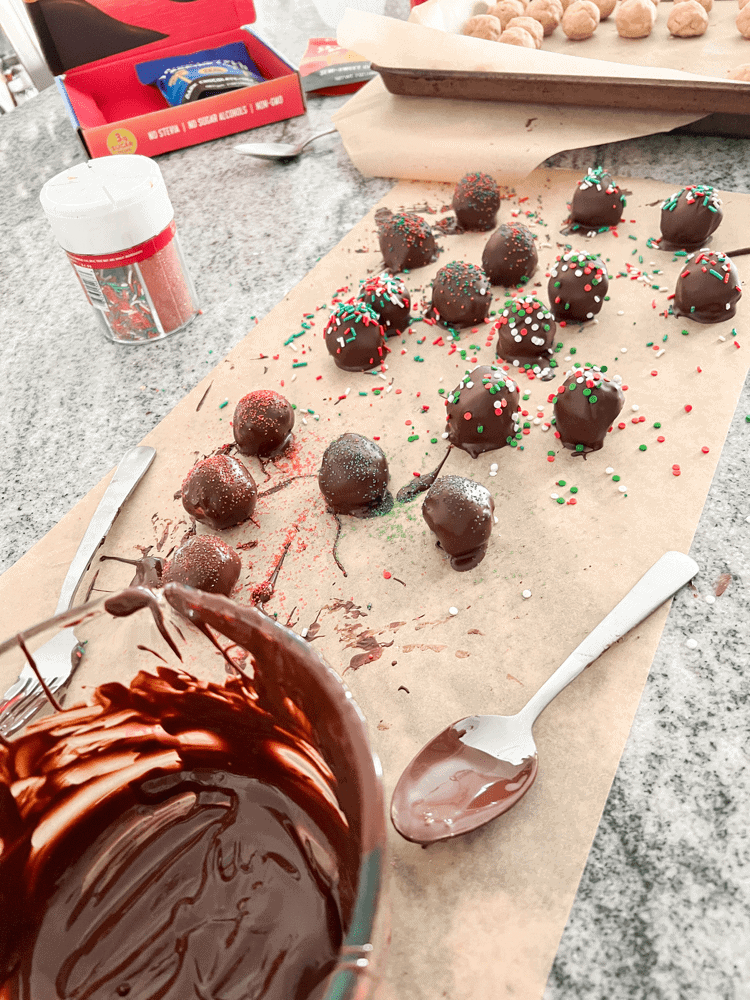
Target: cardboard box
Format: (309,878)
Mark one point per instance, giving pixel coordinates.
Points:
(94,48)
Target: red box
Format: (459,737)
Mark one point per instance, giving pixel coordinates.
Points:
(93,49)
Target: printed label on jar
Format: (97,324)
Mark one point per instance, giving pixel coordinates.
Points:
(122,297)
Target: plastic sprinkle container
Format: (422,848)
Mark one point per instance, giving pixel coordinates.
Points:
(114,219)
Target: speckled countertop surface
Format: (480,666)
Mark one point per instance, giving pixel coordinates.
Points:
(663,910)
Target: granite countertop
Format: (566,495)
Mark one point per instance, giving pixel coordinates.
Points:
(662,910)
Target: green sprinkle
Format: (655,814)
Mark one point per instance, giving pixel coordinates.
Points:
(631,237)
(587,392)
(434,441)
(649,344)
(657,424)
(593,399)
(560,500)
(441,390)
(665,337)
(551,452)
(418,358)
(643,447)
(413,438)
(684,332)
(222,406)
(573,490)
(480,428)
(363,393)
(579,447)
(573,351)
(615,478)
(299,365)
(526,396)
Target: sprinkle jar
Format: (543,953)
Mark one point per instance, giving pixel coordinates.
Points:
(114,219)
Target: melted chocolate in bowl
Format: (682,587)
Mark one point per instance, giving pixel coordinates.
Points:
(179,838)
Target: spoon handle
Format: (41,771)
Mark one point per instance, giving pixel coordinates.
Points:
(318,135)
(659,583)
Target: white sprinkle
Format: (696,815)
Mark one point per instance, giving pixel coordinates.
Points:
(621,313)
(692,644)
(496,519)
(526,594)
(622,490)
(304,420)
(568,358)
(453,610)
(294,377)
(493,466)
(660,352)
(493,473)
(710,599)
(554,496)
(304,631)
(610,469)
(444,435)
(624,351)
(537,420)
(721,338)
(545,427)
(635,407)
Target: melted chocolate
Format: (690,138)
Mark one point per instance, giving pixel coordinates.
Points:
(586,405)
(219,492)
(482,411)
(406,241)
(526,334)
(708,288)
(451,788)
(206,563)
(476,201)
(420,484)
(461,295)
(183,839)
(388,297)
(690,216)
(597,202)
(148,570)
(353,476)
(460,513)
(355,338)
(577,286)
(510,256)
(262,423)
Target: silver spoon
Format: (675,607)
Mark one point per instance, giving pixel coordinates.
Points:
(481,766)
(278,151)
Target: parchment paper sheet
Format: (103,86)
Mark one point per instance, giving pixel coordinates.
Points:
(387,135)
(480,917)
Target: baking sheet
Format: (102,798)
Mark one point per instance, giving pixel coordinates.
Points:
(480,917)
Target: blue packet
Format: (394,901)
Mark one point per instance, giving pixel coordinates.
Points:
(201,74)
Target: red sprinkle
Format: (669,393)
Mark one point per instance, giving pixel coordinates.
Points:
(660,438)
(622,425)
(705,449)
(688,408)
(676,473)
(655,373)
(550,459)
(386,574)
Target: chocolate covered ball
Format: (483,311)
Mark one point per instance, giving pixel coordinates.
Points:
(482,411)
(476,201)
(406,241)
(461,295)
(526,333)
(597,202)
(577,286)
(585,408)
(262,423)
(510,256)
(353,476)
(388,297)
(690,216)
(708,288)
(355,338)
(460,513)
(204,562)
(219,492)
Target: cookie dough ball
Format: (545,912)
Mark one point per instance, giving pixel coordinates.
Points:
(580,20)
(743,22)
(529,24)
(706,4)
(687,19)
(505,10)
(740,72)
(635,18)
(518,36)
(547,12)
(484,26)
(741,3)
(607,6)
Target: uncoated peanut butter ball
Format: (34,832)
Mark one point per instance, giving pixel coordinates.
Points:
(687,19)
(518,36)
(743,22)
(635,18)
(484,26)
(580,20)
(531,25)
(547,12)
(507,9)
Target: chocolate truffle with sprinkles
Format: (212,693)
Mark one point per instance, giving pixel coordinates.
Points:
(406,241)
(526,333)
(353,476)
(577,286)
(355,338)
(219,492)
(262,423)
(461,514)
(204,562)
(461,295)
(510,255)
(585,407)
(482,411)
(708,288)
(690,216)
(597,202)
(476,201)
(389,298)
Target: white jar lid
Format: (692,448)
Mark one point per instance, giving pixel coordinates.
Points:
(107,205)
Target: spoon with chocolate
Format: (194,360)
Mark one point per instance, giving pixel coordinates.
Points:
(481,766)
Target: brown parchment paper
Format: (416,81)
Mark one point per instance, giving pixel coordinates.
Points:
(388,135)
(479,917)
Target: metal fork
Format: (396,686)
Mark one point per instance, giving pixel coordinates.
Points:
(60,656)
